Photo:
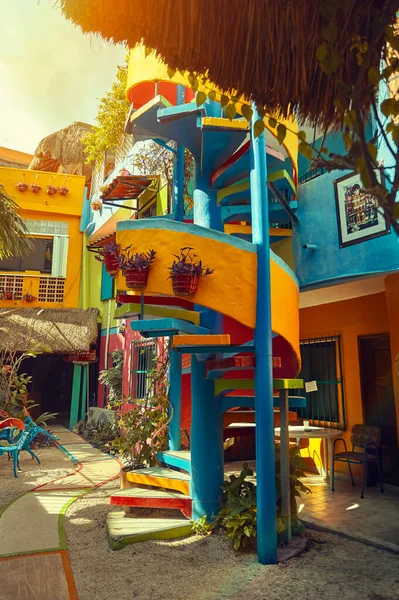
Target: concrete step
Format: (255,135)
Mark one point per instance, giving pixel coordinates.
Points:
(123,530)
(162,478)
(152,498)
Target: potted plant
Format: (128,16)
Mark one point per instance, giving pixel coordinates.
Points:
(51,190)
(21,186)
(29,297)
(96,205)
(186,271)
(136,268)
(9,294)
(109,256)
(35,187)
(63,190)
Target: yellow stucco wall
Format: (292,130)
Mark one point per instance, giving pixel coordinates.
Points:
(41,206)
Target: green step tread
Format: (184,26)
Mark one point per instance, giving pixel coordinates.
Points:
(123,530)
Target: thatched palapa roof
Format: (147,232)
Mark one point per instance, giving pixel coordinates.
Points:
(62,331)
(262,49)
(62,150)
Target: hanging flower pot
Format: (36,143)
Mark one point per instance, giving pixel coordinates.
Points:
(29,298)
(136,279)
(185,284)
(136,268)
(96,205)
(9,295)
(109,256)
(21,186)
(124,173)
(63,190)
(186,272)
(111,262)
(35,188)
(51,190)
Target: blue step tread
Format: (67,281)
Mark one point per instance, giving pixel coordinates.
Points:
(178,459)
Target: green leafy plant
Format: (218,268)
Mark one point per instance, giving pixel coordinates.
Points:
(238,515)
(111,117)
(203,527)
(14,236)
(112,378)
(14,398)
(144,427)
(100,436)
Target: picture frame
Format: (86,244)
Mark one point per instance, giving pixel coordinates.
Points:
(358,216)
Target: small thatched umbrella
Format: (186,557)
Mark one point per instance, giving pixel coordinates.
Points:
(262,49)
(62,150)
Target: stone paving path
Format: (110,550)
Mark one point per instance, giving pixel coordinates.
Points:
(34,562)
(373,519)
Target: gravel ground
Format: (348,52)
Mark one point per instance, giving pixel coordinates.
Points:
(207,569)
(200,568)
(54,463)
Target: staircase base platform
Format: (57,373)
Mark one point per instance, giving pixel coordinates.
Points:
(155,498)
(123,530)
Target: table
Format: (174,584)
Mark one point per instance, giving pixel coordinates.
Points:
(327,434)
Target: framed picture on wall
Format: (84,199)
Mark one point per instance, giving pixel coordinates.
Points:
(359,218)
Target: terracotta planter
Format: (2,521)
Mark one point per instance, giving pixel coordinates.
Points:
(63,190)
(96,205)
(35,188)
(184,284)
(136,279)
(111,263)
(22,186)
(9,295)
(51,190)
(29,298)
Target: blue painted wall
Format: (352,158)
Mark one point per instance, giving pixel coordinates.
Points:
(329,263)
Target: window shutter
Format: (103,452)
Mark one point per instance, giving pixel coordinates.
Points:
(60,256)
(107,285)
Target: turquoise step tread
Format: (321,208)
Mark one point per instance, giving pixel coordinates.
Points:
(176,459)
(123,530)
(162,472)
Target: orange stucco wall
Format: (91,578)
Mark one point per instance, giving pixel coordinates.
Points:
(392,300)
(349,319)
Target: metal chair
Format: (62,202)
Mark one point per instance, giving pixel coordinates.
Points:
(367,437)
(13,450)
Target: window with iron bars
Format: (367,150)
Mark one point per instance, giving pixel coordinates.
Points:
(322,362)
(142,355)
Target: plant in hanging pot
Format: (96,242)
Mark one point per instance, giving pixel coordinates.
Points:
(109,256)
(35,187)
(8,295)
(29,297)
(21,186)
(63,190)
(51,190)
(97,205)
(186,272)
(136,267)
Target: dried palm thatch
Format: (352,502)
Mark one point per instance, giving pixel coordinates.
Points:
(62,331)
(62,150)
(263,49)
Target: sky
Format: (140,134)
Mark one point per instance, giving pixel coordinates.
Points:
(51,74)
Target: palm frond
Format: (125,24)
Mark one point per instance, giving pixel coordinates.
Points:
(14,236)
